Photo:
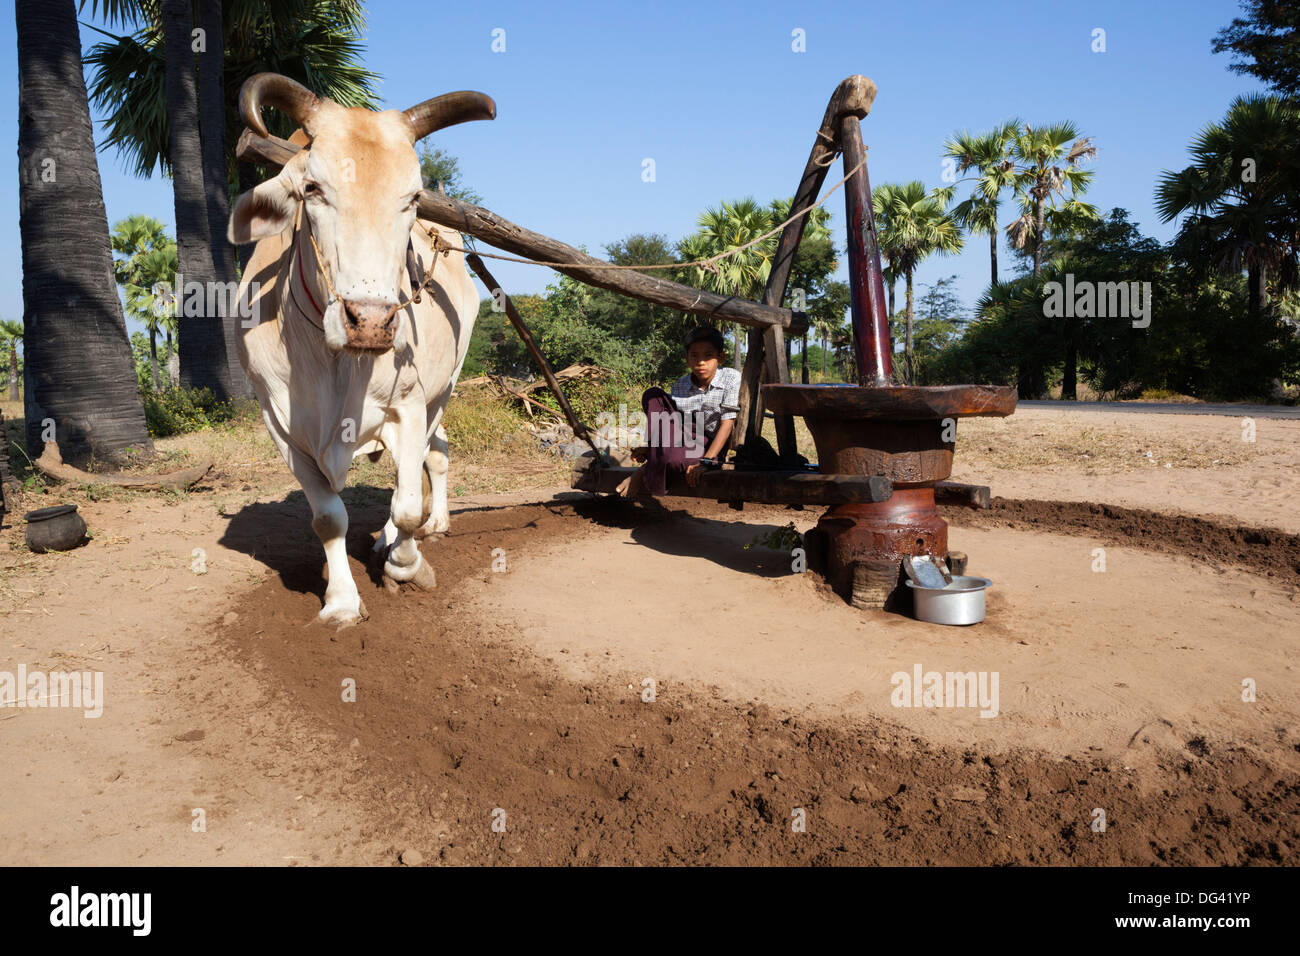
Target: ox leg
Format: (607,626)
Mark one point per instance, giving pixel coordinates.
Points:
(343,605)
(437,517)
(405,564)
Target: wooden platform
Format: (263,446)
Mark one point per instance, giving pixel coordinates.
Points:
(762,487)
(784,487)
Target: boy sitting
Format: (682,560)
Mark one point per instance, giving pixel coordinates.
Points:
(688,430)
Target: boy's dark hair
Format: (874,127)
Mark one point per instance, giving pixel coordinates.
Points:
(705,333)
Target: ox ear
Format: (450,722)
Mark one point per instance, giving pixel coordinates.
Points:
(265,210)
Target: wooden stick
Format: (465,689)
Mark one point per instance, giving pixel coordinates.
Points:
(517,321)
(961,495)
(522,397)
(504,234)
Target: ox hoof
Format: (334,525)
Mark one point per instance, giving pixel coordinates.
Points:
(424,578)
(434,527)
(343,616)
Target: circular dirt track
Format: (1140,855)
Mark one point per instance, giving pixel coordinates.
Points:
(457,725)
(1272,553)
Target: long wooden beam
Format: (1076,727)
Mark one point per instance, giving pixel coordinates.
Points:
(504,234)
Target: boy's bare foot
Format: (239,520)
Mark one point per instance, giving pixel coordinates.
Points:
(632,485)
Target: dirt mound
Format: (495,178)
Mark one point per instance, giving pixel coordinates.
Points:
(458,728)
(1273,553)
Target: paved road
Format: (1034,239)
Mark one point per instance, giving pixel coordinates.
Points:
(1173,408)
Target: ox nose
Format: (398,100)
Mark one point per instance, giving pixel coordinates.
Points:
(369,323)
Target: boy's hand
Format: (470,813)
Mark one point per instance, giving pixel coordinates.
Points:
(693,474)
(640,453)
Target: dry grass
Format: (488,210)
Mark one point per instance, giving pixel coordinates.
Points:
(491,451)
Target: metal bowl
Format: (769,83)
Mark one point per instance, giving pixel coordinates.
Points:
(961,602)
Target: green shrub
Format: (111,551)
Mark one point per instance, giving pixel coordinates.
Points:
(176,411)
(480,424)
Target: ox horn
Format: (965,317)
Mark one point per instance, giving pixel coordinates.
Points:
(448,110)
(272,89)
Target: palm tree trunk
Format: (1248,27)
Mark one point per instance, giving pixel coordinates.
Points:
(1070,375)
(735,359)
(1256,288)
(153,356)
(907,342)
(803,359)
(170,352)
(216,180)
(823,355)
(13,369)
(1040,214)
(79,371)
(993,254)
(201,339)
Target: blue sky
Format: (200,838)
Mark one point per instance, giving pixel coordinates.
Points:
(714,94)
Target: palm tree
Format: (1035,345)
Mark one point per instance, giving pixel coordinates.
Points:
(1047,161)
(722,230)
(889,274)
(989,155)
(1241,193)
(159,116)
(12,332)
(79,370)
(316,42)
(1024,341)
(913,225)
(150,260)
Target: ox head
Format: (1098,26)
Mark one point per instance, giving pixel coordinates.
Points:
(358,183)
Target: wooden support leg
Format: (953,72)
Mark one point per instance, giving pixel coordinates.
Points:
(749,421)
(777,371)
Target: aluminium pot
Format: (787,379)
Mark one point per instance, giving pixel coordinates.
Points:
(961,602)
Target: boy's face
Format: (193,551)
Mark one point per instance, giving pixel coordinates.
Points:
(702,358)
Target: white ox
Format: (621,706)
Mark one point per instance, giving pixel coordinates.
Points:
(342,361)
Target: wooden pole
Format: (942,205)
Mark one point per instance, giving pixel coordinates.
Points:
(853,97)
(504,234)
(872,346)
(517,321)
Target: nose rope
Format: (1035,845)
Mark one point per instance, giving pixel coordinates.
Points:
(320,261)
(436,246)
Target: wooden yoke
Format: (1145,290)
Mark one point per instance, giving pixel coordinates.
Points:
(766,360)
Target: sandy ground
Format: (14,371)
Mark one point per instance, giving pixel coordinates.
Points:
(221,696)
(1086,660)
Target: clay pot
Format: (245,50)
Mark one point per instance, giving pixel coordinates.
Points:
(55,529)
